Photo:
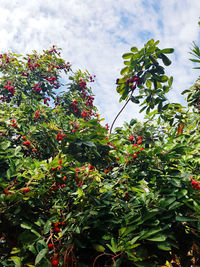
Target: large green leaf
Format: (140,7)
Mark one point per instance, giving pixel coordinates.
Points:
(41,255)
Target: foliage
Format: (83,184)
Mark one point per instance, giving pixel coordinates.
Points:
(71,194)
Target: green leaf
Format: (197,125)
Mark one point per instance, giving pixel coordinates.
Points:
(167,50)
(127,63)
(4,145)
(88,143)
(26,225)
(134,49)
(16,260)
(47,227)
(164,246)
(124,70)
(165,60)
(127,55)
(135,100)
(98,247)
(158,238)
(41,255)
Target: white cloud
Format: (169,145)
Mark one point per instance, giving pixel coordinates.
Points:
(95,33)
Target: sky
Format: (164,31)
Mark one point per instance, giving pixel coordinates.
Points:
(93,35)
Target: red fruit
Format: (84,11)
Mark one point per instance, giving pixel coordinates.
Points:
(24,137)
(127,195)
(91,167)
(139,142)
(57,229)
(106,171)
(131,138)
(26,190)
(59,167)
(54,262)
(50,246)
(127,80)
(117,159)
(56,224)
(135,145)
(27,143)
(134,156)
(60,161)
(64,178)
(34,149)
(139,138)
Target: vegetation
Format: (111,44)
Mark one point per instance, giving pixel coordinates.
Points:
(73,194)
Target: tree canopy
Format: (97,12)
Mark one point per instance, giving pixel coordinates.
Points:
(74,194)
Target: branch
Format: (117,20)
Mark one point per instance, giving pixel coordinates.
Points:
(120,112)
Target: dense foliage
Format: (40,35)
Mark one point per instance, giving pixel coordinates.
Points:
(73,194)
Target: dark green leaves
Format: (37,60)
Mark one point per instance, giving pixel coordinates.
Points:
(165,59)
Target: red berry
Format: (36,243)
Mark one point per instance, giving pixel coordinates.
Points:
(57,229)
(50,246)
(54,262)
(134,156)
(139,142)
(131,138)
(106,171)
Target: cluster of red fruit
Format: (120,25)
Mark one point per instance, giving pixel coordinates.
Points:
(37,114)
(75,126)
(27,143)
(57,226)
(26,74)
(84,114)
(10,88)
(139,139)
(89,101)
(195,184)
(32,66)
(14,123)
(26,190)
(82,83)
(4,98)
(36,88)
(60,137)
(5,60)
(2,133)
(130,82)
(45,100)
(7,192)
(91,78)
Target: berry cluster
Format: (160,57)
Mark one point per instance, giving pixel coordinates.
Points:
(195,184)
(10,88)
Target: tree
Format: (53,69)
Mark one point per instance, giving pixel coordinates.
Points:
(73,194)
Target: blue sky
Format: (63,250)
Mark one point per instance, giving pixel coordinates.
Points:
(93,35)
